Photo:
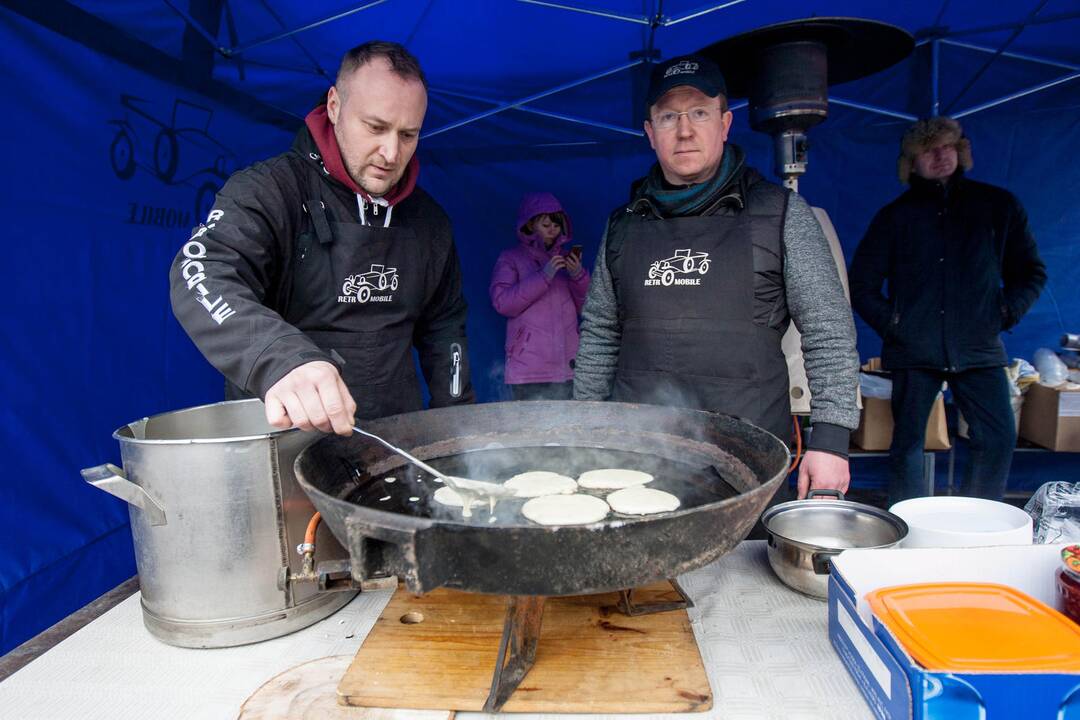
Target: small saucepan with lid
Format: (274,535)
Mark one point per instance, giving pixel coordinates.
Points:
(805,534)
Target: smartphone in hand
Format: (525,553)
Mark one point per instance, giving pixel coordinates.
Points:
(575,250)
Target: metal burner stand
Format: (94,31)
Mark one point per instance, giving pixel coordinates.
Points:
(521,634)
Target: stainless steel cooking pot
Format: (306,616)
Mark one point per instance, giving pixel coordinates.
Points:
(216,515)
(805,534)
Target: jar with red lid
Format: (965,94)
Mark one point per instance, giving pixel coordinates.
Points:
(1068,582)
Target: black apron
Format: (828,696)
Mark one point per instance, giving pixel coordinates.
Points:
(686,298)
(357,291)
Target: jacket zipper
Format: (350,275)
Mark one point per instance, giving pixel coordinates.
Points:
(455,370)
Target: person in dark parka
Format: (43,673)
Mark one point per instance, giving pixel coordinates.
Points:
(961,265)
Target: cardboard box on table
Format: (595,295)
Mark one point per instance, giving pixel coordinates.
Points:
(898,688)
(876,421)
(1051,418)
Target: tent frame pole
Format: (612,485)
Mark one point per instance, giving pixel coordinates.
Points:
(935,78)
(585,11)
(668,22)
(1017,95)
(997,53)
(1044,20)
(197,27)
(543,113)
(870,108)
(531,98)
(1002,52)
(295,31)
(1014,55)
(654,23)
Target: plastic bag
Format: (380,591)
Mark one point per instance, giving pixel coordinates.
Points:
(1052,371)
(1021,374)
(1055,510)
(875,386)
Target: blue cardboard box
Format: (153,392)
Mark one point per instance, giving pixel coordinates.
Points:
(898,688)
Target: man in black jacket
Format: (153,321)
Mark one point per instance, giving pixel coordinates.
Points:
(319,270)
(961,266)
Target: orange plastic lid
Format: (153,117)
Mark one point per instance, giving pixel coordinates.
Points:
(978,626)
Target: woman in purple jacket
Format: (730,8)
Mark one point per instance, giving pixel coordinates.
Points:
(540,290)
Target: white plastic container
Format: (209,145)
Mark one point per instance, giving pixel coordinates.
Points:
(962,522)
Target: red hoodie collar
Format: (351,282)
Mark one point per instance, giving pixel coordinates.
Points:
(322,131)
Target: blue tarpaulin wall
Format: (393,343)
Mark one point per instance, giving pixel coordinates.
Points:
(121,119)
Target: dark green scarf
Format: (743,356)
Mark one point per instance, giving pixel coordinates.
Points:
(691,199)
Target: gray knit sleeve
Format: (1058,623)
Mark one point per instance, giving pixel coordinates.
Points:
(822,315)
(601,335)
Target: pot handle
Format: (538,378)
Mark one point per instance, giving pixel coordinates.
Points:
(829,492)
(111,479)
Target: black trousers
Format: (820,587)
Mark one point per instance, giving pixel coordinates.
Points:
(982,395)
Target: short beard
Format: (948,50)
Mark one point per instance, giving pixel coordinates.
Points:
(371,192)
(350,168)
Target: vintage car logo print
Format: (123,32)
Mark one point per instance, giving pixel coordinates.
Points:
(376,285)
(666,272)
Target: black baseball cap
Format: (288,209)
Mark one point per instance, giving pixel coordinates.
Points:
(693,70)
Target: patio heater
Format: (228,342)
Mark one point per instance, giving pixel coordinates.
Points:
(786,69)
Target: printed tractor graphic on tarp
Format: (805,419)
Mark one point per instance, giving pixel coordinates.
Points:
(683,262)
(179,151)
(379,278)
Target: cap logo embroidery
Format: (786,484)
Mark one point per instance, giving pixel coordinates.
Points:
(684,67)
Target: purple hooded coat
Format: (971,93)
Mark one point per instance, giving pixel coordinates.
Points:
(542,314)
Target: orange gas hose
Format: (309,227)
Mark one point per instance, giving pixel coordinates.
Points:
(798,444)
(312,526)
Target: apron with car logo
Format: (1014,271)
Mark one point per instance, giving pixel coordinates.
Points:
(686,299)
(357,292)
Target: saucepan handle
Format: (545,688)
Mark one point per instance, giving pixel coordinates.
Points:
(111,479)
(826,492)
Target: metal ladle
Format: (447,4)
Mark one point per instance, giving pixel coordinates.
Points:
(468,489)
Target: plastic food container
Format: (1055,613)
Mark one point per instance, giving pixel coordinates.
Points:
(962,522)
(983,627)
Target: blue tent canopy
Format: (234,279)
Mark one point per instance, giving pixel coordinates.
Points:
(124,117)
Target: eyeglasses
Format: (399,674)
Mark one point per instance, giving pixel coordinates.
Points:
(669,118)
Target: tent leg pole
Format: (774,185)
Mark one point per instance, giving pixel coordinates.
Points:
(935,100)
